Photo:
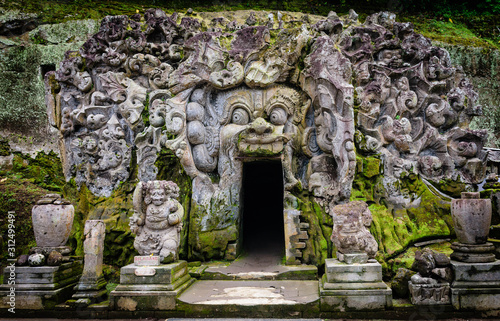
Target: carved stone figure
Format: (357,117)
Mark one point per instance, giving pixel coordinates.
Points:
(157,220)
(350,229)
(280,87)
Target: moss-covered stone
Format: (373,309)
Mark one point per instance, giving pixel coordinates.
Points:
(371,166)
(319,247)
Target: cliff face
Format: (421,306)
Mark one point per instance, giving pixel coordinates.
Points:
(25,58)
(482,66)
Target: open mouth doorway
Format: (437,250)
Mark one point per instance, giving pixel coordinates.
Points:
(262,210)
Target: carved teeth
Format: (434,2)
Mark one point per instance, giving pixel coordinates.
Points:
(266,147)
(277,147)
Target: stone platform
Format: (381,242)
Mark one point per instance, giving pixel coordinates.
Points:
(42,286)
(354,287)
(257,297)
(476,286)
(150,287)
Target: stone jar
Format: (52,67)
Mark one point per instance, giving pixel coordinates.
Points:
(471,218)
(52,221)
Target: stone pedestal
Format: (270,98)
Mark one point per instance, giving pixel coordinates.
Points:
(476,286)
(40,287)
(354,287)
(150,287)
(429,294)
(473,253)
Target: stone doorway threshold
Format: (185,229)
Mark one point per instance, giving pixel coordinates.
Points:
(218,294)
(262,264)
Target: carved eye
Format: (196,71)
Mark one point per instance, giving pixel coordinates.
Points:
(278,116)
(240,117)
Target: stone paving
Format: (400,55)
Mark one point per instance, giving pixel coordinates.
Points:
(248,293)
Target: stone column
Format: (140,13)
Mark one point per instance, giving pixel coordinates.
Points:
(91,287)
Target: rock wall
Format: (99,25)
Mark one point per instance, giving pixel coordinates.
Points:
(395,228)
(482,66)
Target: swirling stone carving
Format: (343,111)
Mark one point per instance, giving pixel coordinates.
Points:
(313,94)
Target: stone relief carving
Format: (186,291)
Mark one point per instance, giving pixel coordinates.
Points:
(350,230)
(311,94)
(157,220)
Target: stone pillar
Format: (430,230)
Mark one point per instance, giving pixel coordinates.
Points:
(477,272)
(92,287)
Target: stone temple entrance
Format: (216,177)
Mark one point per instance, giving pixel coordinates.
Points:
(262,208)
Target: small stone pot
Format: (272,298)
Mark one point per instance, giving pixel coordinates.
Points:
(471,218)
(52,224)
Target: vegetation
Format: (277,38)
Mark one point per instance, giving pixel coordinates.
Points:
(476,21)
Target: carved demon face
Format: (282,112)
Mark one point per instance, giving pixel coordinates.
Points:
(262,120)
(222,125)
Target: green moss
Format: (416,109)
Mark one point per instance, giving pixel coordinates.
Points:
(396,229)
(213,244)
(371,166)
(4,148)
(319,247)
(450,187)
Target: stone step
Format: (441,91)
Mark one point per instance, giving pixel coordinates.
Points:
(264,298)
(236,271)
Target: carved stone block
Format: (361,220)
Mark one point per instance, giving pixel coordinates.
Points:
(429,294)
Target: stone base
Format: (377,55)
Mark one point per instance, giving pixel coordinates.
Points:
(429,294)
(151,287)
(89,292)
(354,287)
(476,286)
(473,253)
(45,250)
(40,287)
(352,258)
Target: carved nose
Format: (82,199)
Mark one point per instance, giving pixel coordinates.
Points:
(260,126)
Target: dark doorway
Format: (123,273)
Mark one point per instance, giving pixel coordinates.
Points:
(262,208)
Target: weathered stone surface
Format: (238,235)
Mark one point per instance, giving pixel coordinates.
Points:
(165,274)
(424,262)
(150,292)
(471,218)
(354,287)
(337,271)
(91,286)
(17,23)
(41,287)
(93,248)
(157,227)
(236,92)
(22,260)
(399,284)
(429,294)
(476,272)
(146,260)
(54,259)
(476,285)
(36,259)
(52,221)
(350,232)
